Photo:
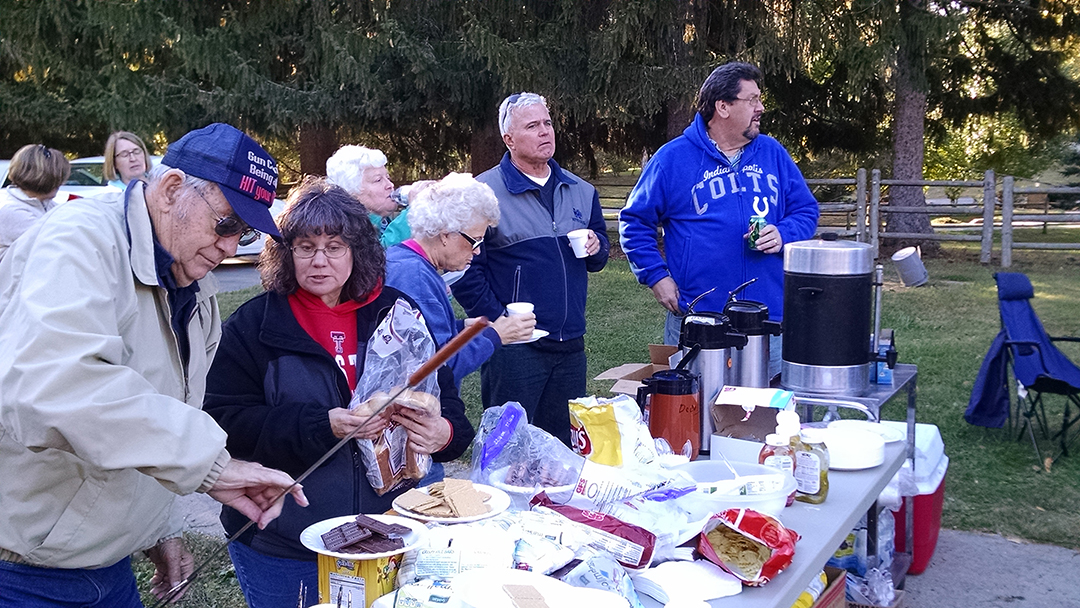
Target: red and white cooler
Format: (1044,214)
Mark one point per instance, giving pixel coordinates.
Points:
(928,490)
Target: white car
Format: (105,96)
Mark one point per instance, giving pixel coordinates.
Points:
(249,253)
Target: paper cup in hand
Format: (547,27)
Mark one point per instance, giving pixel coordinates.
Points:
(519,308)
(578,238)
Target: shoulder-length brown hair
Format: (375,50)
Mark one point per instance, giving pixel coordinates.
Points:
(109,170)
(318,207)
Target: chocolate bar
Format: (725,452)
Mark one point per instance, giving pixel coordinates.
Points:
(348,533)
(378,527)
(376,544)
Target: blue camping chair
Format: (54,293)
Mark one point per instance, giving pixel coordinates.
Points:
(1038,366)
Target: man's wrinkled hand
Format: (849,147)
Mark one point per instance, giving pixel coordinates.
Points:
(255,490)
(173,564)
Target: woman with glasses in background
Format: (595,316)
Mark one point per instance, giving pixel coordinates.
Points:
(36,174)
(448,221)
(284,373)
(126,158)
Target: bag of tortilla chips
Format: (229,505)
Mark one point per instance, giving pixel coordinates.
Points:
(753,546)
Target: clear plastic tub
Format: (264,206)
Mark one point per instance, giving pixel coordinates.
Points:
(708,472)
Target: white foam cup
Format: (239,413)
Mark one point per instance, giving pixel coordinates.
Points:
(519,308)
(578,239)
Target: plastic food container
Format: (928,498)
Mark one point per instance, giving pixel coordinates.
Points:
(706,472)
(521,495)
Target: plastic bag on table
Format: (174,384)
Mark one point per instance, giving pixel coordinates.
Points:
(522,460)
(610,431)
(399,346)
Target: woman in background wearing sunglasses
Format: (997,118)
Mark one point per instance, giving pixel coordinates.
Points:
(284,373)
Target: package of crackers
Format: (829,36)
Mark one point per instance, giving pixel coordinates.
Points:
(391,464)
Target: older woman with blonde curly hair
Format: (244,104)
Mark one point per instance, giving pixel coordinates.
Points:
(448,221)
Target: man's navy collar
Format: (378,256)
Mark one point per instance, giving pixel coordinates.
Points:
(516,181)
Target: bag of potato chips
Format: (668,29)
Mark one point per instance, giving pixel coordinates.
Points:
(610,431)
(753,546)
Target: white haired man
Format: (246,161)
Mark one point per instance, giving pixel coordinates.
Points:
(528,258)
(107,329)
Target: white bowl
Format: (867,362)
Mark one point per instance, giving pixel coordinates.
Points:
(853,449)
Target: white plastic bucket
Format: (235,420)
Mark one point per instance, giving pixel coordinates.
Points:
(909,264)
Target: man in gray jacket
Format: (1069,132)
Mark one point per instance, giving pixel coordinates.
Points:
(108,324)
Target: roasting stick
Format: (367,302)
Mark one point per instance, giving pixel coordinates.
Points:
(434,363)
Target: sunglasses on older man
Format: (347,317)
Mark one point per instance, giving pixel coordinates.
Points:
(231,225)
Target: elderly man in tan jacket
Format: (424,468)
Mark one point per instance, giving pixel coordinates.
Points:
(108,324)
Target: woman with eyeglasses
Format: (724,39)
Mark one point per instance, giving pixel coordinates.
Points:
(284,373)
(36,173)
(448,222)
(126,158)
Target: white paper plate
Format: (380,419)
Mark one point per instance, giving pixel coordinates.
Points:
(536,335)
(499,502)
(887,433)
(311,537)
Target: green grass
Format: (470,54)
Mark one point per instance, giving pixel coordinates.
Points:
(945,327)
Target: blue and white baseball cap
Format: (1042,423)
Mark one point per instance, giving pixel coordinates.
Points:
(246,174)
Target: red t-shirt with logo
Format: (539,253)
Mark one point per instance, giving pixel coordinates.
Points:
(333,328)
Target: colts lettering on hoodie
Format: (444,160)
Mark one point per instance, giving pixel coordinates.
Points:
(722,181)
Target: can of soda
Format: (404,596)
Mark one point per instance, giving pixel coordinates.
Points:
(756,224)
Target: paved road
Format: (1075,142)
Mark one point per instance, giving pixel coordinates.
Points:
(232,276)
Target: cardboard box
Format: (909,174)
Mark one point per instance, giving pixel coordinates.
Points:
(731,418)
(835,593)
(628,376)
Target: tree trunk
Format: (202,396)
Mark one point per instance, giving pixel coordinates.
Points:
(908,137)
(486,148)
(679,115)
(317,143)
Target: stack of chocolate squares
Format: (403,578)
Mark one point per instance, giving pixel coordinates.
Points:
(365,535)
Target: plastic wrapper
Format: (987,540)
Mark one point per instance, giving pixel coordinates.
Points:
(519,458)
(610,431)
(399,346)
(424,594)
(852,553)
(540,554)
(599,571)
(632,546)
(753,546)
(451,550)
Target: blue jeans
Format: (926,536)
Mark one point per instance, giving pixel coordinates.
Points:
(273,582)
(542,382)
(113,586)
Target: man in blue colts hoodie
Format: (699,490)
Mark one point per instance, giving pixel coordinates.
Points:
(528,258)
(702,188)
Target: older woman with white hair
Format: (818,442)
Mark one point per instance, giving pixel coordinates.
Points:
(362,173)
(448,221)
